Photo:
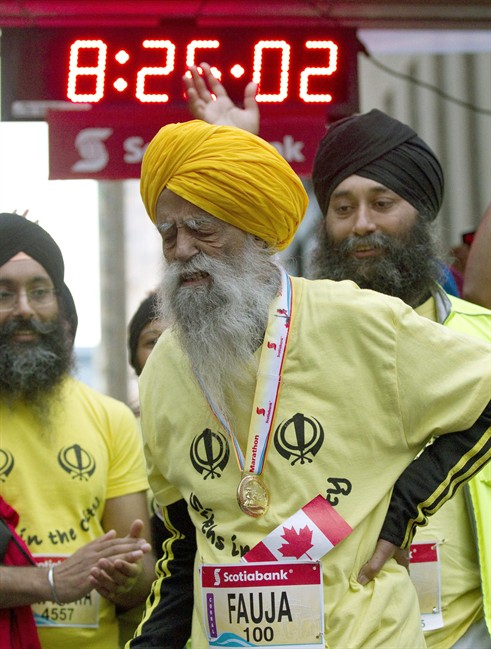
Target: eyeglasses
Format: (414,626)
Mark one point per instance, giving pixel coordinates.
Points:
(37,298)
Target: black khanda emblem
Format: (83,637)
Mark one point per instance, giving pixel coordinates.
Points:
(209,454)
(6,464)
(298,438)
(77,462)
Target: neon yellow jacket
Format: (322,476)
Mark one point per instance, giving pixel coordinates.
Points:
(473,320)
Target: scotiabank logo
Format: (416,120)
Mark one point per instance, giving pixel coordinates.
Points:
(248,575)
(218,581)
(93,149)
(94,154)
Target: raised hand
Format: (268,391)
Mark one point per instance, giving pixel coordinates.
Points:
(208,100)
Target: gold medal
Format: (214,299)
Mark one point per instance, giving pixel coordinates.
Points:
(253,496)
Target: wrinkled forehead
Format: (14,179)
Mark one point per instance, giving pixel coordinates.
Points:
(172,208)
(174,212)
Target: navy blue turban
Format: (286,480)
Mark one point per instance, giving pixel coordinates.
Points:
(18,234)
(381,148)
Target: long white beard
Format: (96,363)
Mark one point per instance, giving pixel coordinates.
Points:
(221,325)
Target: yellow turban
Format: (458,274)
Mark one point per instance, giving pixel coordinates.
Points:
(231,174)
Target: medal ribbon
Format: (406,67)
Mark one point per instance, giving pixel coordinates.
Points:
(268,383)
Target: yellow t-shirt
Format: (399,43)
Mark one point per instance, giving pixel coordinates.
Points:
(451,526)
(365,384)
(59,481)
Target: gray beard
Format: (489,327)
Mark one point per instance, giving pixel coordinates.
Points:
(221,325)
(32,373)
(408,268)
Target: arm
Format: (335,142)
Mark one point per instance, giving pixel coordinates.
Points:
(126,583)
(170,608)
(427,483)
(477,274)
(21,585)
(220,109)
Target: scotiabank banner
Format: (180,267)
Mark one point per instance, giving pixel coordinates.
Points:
(105,144)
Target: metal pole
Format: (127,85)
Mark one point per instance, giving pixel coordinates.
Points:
(113,289)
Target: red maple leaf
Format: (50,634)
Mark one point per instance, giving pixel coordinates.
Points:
(297,543)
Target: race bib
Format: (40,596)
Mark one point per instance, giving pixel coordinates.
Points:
(425,575)
(82,613)
(276,604)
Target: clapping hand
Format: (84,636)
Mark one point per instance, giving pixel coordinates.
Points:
(116,575)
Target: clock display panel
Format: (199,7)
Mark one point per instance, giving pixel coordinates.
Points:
(310,67)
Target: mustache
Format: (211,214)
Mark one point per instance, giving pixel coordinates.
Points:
(200,263)
(218,270)
(374,240)
(16,325)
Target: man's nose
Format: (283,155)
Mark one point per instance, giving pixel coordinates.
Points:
(364,223)
(186,245)
(22,307)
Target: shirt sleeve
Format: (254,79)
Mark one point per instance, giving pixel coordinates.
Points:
(434,477)
(127,473)
(168,616)
(444,386)
(443,378)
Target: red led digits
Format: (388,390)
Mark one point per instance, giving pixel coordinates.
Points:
(289,69)
(309,68)
(78,74)
(201,45)
(121,57)
(237,71)
(143,73)
(284,68)
(332,57)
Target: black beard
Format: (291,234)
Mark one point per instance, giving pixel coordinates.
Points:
(408,268)
(31,372)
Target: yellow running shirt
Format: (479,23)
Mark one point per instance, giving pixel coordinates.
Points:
(59,480)
(365,384)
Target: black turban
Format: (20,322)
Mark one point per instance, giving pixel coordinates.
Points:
(18,234)
(146,312)
(381,148)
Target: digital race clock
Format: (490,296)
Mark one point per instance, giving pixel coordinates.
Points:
(308,67)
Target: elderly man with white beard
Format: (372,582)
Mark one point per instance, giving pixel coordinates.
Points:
(287,413)
(380,188)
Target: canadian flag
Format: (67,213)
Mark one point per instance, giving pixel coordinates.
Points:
(307,535)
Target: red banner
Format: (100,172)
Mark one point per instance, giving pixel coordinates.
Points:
(105,144)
